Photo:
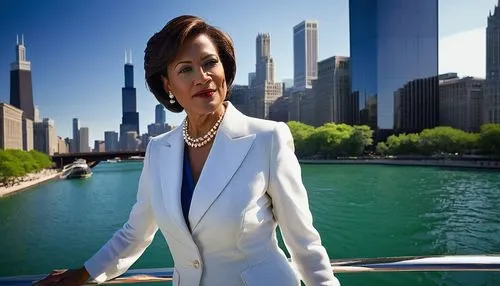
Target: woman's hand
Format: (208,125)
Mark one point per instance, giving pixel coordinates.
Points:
(65,277)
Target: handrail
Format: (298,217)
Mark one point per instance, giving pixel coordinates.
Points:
(382,264)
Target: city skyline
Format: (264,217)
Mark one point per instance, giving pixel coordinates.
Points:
(61,77)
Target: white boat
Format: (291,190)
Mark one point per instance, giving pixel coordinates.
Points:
(76,170)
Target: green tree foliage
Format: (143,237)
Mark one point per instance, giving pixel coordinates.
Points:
(489,139)
(43,161)
(17,163)
(300,133)
(333,140)
(330,140)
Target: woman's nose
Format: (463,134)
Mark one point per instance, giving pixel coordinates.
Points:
(202,76)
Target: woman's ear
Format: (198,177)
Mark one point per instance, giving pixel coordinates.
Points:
(166,84)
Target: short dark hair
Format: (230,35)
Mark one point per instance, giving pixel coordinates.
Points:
(165,45)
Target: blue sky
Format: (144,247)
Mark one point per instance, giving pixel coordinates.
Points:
(76,48)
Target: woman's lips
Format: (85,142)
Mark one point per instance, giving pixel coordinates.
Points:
(205,94)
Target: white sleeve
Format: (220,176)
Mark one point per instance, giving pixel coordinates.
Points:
(291,209)
(128,243)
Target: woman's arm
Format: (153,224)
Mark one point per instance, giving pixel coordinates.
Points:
(291,209)
(128,243)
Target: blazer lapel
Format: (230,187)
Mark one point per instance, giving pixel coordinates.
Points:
(171,157)
(229,150)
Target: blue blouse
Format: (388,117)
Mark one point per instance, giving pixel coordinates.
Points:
(187,188)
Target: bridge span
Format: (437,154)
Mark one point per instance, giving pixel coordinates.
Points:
(93,158)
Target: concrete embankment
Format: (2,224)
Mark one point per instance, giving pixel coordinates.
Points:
(30,180)
(477,164)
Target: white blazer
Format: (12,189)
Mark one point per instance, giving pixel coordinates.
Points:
(250,183)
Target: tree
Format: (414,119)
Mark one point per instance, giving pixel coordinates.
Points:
(382,148)
(25,160)
(300,133)
(444,139)
(360,138)
(489,138)
(43,160)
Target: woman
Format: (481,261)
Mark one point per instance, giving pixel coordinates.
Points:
(216,186)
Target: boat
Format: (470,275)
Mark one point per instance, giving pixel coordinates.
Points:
(76,170)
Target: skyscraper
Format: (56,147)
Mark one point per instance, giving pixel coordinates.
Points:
(76,140)
(392,43)
(305,54)
(83,135)
(160,115)
(264,90)
(492,83)
(130,117)
(264,64)
(21,90)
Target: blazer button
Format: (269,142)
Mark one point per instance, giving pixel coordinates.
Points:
(196,264)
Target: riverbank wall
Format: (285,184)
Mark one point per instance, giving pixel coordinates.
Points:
(29,181)
(449,163)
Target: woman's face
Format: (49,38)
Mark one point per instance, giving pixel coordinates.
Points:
(196,77)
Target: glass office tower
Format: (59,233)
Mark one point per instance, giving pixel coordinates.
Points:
(392,43)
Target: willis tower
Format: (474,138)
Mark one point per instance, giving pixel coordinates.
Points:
(21,91)
(130,117)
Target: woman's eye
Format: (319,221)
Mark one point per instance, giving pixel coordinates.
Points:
(211,63)
(185,69)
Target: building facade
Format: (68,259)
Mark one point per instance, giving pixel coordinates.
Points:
(130,116)
(83,136)
(45,137)
(332,92)
(305,54)
(491,104)
(28,140)
(264,91)
(392,43)
(111,141)
(11,127)
(160,114)
(416,105)
(461,103)
(75,147)
(21,90)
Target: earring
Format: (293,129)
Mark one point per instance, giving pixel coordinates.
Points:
(171,96)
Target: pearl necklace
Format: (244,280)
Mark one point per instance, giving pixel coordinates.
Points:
(202,140)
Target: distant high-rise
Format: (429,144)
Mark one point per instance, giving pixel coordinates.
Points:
(83,135)
(492,83)
(130,117)
(21,90)
(45,137)
(263,89)
(37,115)
(461,102)
(76,141)
(305,54)
(264,64)
(332,92)
(160,115)
(392,43)
(111,141)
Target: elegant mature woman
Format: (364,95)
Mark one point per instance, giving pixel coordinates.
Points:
(218,185)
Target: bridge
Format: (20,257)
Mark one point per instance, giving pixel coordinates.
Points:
(93,158)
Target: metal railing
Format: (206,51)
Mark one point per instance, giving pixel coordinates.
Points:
(384,264)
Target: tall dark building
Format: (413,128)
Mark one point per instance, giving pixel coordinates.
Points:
(160,115)
(492,84)
(76,140)
(416,105)
(392,42)
(130,117)
(21,90)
